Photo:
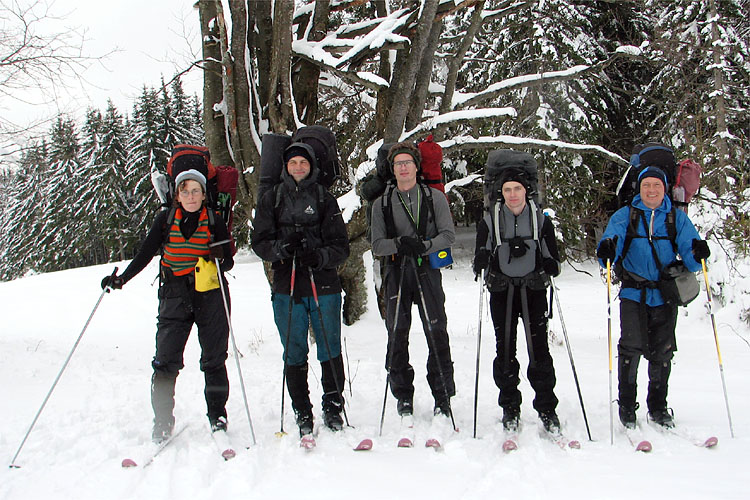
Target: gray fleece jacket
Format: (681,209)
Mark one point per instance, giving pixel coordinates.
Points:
(439,233)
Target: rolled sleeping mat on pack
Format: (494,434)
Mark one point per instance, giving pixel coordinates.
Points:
(271,161)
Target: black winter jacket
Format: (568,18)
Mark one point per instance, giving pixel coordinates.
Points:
(308,208)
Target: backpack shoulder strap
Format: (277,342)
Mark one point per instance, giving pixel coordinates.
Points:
(390,230)
(166,227)
(630,232)
(672,228)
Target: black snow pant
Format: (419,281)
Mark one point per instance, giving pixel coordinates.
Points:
(505,369)
(180,306)
(332,371)
(647,331)
(436,329)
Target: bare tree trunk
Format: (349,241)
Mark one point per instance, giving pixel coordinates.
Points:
(213,87)
(455,62)
(305,81)
(419,97)
(260,41)
(404,85)
(279,90)
(720,107)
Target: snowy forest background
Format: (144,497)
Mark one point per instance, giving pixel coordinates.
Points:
(577,83)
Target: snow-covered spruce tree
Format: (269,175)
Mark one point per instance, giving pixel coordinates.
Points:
(109,198)
(62,236)
(699,95)
(22,208)
(146,150)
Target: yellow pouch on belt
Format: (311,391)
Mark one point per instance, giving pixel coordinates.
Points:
(206,275)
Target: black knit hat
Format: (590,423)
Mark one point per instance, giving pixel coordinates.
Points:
(299,149)
(515,175)
(653,172)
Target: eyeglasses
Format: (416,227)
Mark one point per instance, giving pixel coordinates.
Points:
(193,192)
(404,163)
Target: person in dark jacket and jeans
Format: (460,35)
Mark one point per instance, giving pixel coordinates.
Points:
(519,264)
(647,323)
(411,229)
(300,230)
(187,239)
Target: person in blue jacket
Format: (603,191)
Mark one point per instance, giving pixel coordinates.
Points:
(640,240)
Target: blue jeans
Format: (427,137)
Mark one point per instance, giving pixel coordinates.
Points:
(303,313)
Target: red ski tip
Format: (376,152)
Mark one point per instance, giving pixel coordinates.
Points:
(509,445)
(643,446)
(405,443)
(576,445)
(711,442)
(433,443)
(128,462)
(228,454)
(307,442)
(364,445)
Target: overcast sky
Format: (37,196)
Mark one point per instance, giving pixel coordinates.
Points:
(146,38)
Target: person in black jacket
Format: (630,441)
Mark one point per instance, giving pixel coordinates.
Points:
(185,235)
(300,230)
(519,263)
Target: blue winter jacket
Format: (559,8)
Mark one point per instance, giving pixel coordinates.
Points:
(640,259)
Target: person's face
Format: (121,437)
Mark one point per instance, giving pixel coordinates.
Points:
(298,167)
(404,168)
(515,196)
(652,192)
(191,195)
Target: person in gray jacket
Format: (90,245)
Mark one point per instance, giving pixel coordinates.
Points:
(516,245)
(410,221)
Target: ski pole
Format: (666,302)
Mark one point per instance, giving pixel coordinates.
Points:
(348,369)
(339,388)
(431,339)
(107,288)
(479,344)
(570,355)
(234,343)
(716,341)
(391,339)
(286,344)
(609,346)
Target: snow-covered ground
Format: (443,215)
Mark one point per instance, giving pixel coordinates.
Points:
(100,411)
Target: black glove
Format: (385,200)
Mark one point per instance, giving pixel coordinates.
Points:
(310,258)
(114,282)
(410,247)
(701,250)
(292,242)
(216,252)
(607,250)
(551,267)
(481,261)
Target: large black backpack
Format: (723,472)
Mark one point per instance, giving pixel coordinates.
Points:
(499,163)
(323,143)
(650,154)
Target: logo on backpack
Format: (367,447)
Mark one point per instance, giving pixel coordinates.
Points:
(309,210)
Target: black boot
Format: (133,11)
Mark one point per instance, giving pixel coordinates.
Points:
(296,383)
(442,407)
(658,380)
(663,417)
(511,418)
(550,421)
(333,401)
(162,401)
(627,415)
(405,407)
(217,393)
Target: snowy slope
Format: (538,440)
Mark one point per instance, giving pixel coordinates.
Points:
(100,411)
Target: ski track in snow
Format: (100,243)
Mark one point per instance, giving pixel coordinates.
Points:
(100,411)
